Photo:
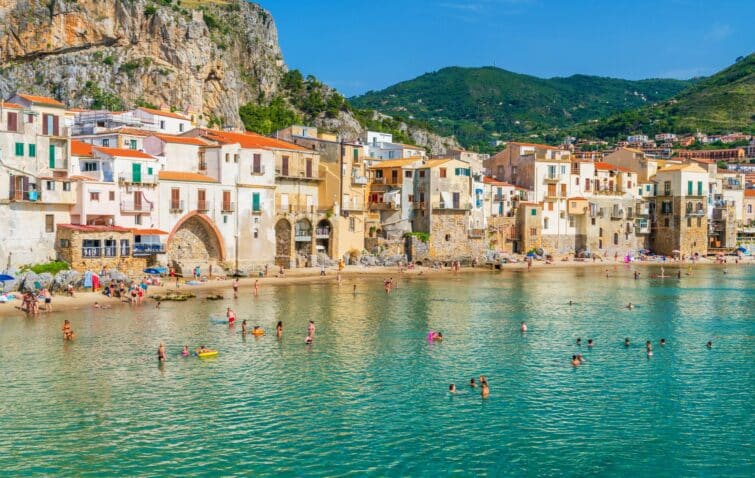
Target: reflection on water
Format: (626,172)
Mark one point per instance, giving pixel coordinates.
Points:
(370,395)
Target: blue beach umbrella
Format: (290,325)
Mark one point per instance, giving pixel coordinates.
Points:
(5,277)
(153,270)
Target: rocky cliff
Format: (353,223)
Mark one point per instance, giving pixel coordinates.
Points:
(204,58)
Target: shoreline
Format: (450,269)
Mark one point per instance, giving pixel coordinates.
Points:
(84,299)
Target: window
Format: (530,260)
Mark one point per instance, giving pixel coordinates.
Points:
(175,199)
(181,127)
(615,239)
(225,219)
(66,186)
(533,231)
(106,142)
(132,144)
(227,157)
(576,180)
(352,221)
(600,232)
(30,118)
(571,221)
(162,124)
(461,171)
(32,150)
(422,174)
(689,221)
(407,174)
(667,207)
(665,222)
(448,237)
(235,158)
(545,223)
(699,188)
(550,206)
(699,222)
(284,166)
(411,198)
(111,195)
(94,196)
(138,220)
(356,155)
(65,243)
(689,188)
(12,121)
(442,172)
(533,212)
(255,202)
(257,163)
(629,184)
(587,184)
(150,172)
(394,176)
(256,233)
(600,243)
(647,188)
(19,149)
(49,223)
(667,188)
(50,185)
(749,209)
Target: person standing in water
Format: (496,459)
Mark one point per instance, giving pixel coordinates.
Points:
(311,329)
(575,361)
(485,389)
(279,329)
(452,388)
(243,327)
(472,383)
(649,348)
(230,315)
(626,342)
(236,288)
(523,327)
(256,287)
(354,290)
(161,352)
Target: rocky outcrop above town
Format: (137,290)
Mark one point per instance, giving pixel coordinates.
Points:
(202,58)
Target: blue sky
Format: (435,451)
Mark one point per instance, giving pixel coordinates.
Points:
(361,45)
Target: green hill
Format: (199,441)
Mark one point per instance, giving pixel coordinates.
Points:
(721,103)
(478,105)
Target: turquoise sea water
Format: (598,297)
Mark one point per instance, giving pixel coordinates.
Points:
(369,397)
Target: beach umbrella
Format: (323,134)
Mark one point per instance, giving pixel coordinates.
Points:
(152,270)
(5,277)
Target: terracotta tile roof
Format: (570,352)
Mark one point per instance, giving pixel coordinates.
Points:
(693,168)
(250,140)
(167,114)
(41,100)
(88,228)
(149,232)
(13,106)
(433,163)
(576,198)
(80,148)
(77,177)
(131,131)
(123,153)
(489,180)
(168,138)
(610,167)
(185,176)
(392,163)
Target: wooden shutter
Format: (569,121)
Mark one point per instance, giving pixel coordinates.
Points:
(12,121)
(25,188)
(257,163)
(12,189)
(45,123)
(284,166)
(309,168)
(55,125)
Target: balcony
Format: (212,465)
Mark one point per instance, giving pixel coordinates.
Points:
(108,251)
(128,178)
(696,213)
(203,205)
(228,207)
(176,206)
(643,209)
(31,195)
(617,214)
(353,206)
(359,180)
(476,233)
(642,226)
(256,211)
(294,174)
(147,249)
(322,233)
(259,171)
(452,207)
(552,179)
(384,206)
(132,207)
(59,164)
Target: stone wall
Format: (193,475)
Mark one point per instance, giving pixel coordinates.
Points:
(502,233)
(529,227)
(687,236)
(449,238)
(72,254)
(193,244)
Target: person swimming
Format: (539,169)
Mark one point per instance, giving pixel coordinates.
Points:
(579,342)
(663,342)
(630,306)
(626,342)
(185,351)
(709,344)
(580,358)
(452,388)
(279,329)
(575,361)
(243,327)
(589,343)
(523,327)
(571,302)
(161,352)
(484,388)
(472,383)
(308,340)
(68,333)
(649,348)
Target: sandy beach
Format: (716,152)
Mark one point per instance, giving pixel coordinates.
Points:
(84,299)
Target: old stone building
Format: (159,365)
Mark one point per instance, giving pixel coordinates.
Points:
(93,248)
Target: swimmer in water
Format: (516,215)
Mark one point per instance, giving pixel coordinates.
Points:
(438,337)
(452,388)
(709,344)
(575,361)
(243,327)
(649,348)
(354,289)
(161,352)
(630,306)
(279,329)
(185,351)
(589,343)
(484,389)
(663,342)
(579,342)
(626,342)
(571,302)
(230,315)
(523,327)
(308,340)
(472,383)
(580,358)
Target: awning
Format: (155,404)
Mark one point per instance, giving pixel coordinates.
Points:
(149,232)
(446,197)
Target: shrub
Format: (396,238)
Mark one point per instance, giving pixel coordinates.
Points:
(52,267)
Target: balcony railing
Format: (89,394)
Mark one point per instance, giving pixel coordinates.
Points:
(127,178)
(203,205)
(176,206)
(384,206)
(60,164)
(107,251)
(322,232)
(552,179)
(228,207)
(297,174)
(617,214)
(259,171)
(451,207)
(642,226)
(698,212)
(25,195)
(360,180)
(131,206)
(146,249)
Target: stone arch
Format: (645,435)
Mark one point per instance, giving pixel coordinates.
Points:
(283,243)
(195,240)
(324,237)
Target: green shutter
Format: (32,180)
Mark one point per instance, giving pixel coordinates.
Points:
(32,150)
(52,157)
(255,202)
(19,149)
(356,154)
(689,188)
(136,172)
(149,171)
(699,188)
(534,212)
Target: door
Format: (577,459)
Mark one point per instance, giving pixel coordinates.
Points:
(136,172)
(309,168)
(137,200)
(563,190)
(551,190)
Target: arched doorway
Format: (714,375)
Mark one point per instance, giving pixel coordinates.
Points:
(283,243)
(195,241)
(303,237)
(323,234)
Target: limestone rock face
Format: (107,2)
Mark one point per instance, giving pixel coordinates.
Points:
(205,63)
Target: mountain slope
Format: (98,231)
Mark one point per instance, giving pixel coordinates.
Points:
(477,104)
(721,103)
